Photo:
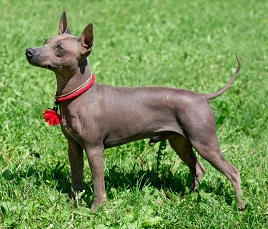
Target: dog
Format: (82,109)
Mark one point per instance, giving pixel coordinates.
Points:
(94,116)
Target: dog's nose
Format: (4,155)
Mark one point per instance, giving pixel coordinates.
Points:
(29,53)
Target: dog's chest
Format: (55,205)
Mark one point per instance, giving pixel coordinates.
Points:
(72,128)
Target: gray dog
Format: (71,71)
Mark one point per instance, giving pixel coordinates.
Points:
(94,116)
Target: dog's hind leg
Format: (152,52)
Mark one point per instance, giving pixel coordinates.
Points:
(208,147)
(184,149)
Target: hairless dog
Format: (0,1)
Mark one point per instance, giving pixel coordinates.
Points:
(95,116)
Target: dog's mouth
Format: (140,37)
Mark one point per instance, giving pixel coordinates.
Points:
(37,64)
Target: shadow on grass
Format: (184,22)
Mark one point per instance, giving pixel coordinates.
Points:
(159,177)
(177,183)
(133,180)
(55,176)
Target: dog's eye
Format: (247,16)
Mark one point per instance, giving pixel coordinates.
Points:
(59,48)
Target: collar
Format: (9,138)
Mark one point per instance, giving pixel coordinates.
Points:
(76,92)
(51,115)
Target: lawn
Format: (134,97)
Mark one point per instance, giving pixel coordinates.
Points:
(174,43)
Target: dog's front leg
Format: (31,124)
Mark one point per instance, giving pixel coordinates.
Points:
(95,159)
(76,158)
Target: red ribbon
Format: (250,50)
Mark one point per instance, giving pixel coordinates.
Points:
(51,116)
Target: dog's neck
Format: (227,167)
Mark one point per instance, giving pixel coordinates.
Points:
(69,82)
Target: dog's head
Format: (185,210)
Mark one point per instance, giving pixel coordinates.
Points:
(64,52)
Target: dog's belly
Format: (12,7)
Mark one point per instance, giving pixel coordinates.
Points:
(154,138)
(157,129)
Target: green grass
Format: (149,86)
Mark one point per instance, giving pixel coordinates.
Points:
(175,43)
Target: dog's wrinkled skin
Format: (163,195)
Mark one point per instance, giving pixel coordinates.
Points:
(107,116)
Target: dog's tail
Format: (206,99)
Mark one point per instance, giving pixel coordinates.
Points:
(215,94)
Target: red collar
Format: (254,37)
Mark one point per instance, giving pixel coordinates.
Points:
(51,116)
(78,91)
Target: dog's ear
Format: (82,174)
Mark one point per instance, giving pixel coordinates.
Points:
(63,27)
(86,40)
